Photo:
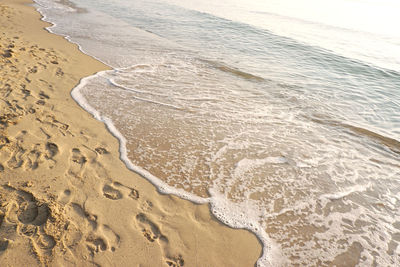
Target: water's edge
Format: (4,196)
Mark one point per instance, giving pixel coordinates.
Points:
(271,255)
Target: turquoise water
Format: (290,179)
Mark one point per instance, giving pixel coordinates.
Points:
(283,116)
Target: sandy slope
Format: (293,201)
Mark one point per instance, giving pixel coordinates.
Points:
(65,197)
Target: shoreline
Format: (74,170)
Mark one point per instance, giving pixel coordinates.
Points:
(66,197)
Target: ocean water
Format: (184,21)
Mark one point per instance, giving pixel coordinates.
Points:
(283,115)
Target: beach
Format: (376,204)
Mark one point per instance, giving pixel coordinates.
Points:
(66,198)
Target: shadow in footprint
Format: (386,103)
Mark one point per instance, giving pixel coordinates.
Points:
(96,244)
(111,193)
(3,245)
(150,230)
(101,151)
(77,157)
(52,149)
(32,212)
(176,262)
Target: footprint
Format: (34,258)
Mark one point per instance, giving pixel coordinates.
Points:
(101,150)
(152,233)
(150,230)
(100,238)
(111,192)
(33,158)
(40,102)
(3,245)
(31,211)
(89,218)
(34,69)
(77,157)
(3,141)
(26,93)
(112,238)
(176,261)
(7,53)
(27,230)
(28,212)
(45,243)
(28,217)
(16,161)
(42,95)
(78,161)
(95,244)
(134,194)
(52,150)
(59,72)
(147,205)
(65,197)
(61,125)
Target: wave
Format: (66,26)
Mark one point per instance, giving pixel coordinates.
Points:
(390,143)
(234,71)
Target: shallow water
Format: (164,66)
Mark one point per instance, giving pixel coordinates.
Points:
(293,139)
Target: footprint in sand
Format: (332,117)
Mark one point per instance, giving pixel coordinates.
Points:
(65,197)
(123,191)
(28,217)
(175,261)
(30,211)
(78,162)
(89,219)
(101,150)
(16,161)
(77,157)
(3,141)
(52,150)
(105,239)
(95,244)
(29,157)
(152,232)
(134,194)
(111,193)
(146,205)
(33,69)
(26,93)
(41,102)
(112,238)
(101,237)
(59,72)
(42,95)
(44,243)
(3,245)
(33,158)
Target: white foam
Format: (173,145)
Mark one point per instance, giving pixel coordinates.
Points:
(111,81)
(162,187)
(240,216)
(245,165)
(347,191)
(243,215)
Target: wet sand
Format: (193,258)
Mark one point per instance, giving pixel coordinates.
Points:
(66,199)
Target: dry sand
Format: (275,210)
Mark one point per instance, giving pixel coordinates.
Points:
(66,199)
